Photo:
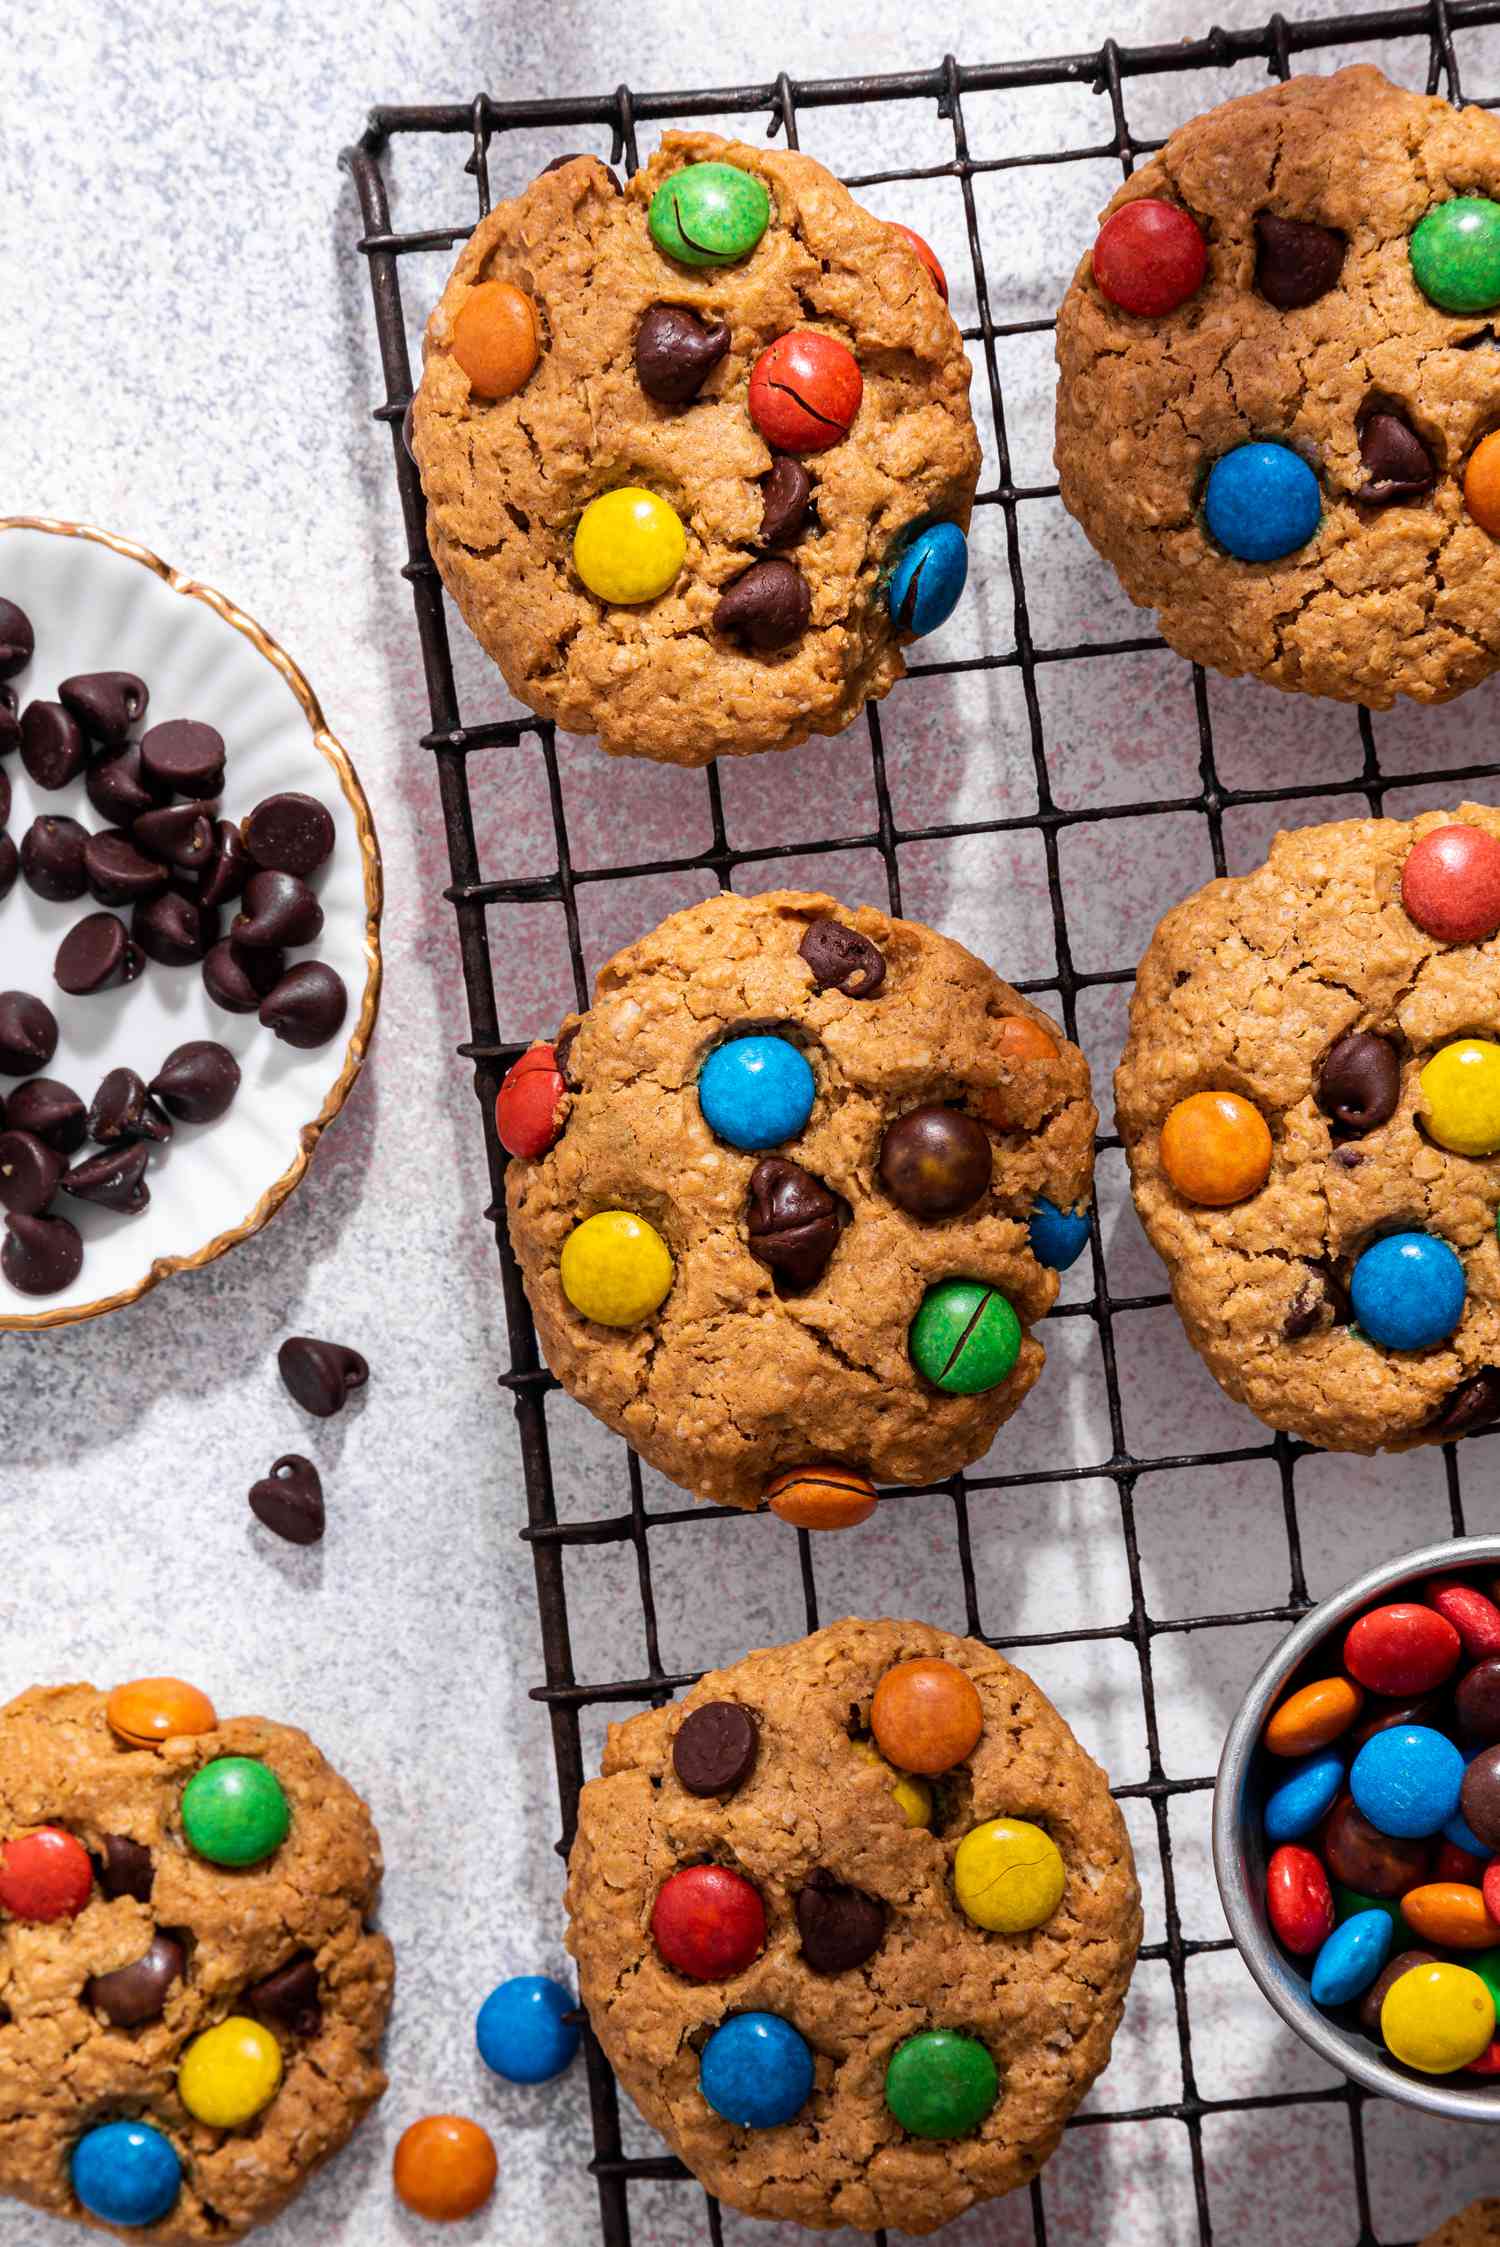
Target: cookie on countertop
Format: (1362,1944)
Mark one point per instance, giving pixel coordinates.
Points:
(1475,2226)
(741,598)
(908,1920)
(184,2036)
(1310,1101)
(1338,324)
(797,1192)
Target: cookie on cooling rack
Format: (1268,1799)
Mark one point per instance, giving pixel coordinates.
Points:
(794,1191)
(698,454)
(1310,1101)
(1277,390)
(1475,2226)
(854,1922)
(191,2003)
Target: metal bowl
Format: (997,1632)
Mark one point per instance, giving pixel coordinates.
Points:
(1240,1847)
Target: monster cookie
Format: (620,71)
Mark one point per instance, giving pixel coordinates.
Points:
(1276,400)
(1310,1101)
(776,1200)
(191,2002)
(1475,2226)
(844,1994)
(698,455)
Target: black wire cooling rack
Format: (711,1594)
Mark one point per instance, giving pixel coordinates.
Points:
(475,893)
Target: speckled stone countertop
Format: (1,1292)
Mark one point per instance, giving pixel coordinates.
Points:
(187,356)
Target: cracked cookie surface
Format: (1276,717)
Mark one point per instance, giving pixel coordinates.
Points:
(64,2068)
(507,481)
(1046,2004)
(1245,988)
(1385,600)
(733,1379)
(1475,2226)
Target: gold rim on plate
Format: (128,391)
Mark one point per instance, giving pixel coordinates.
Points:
(354,1053)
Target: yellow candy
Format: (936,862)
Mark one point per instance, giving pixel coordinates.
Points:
(1461,1096)
(1437,2018)
(1008,1875)
(628,545)
(229,2073)
(616,1268)
(912,1797)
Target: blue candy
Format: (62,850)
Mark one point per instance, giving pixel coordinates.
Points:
(1462,1835)
(126,2173)
(928,578)
(756,1092)
(1262,502)
(522,2031)
(1406,1780)
(756,2071)
(1408,1291)
(1351,1958)
(1058,1236)
(1300,1801)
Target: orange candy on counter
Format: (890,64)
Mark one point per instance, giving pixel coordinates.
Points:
(151,1709)
(1451,1914)
(1216,1148)
(1313,1717)
(495,339)
(445,2167)
(1482,483)
(926,1716)
(821,1497)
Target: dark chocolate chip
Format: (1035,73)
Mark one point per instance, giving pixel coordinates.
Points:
(10,865)
(52,858)
(237,979)
(793,1222)
(227,867)
(28,1034)
(96,955)
(1296,261)
(40,1255)
(558,162)
(1359,1082)
(105,703)
(307,1006)
(1348,1158)
(278,909)
(135,1994)
(713,1749)
(53,748)
(840,1926)
(289,1998)
(1378,1991)
(289,1500)
(290,834)
(17,639)
(1396,462)
(787,494)
(181,834)
(118,873)
(172,929)
(4,796)
(118,789)
(320,1375)
(1475,1403)
(1321,1301)
(10,721)
(935,1161)
(52,1111)
(676,352)
(197,1081)
(125,1868)
(29,1172)
(184,757)
(123,1110)
(115,1179)
(562,1054)
(843,960)
(767,608)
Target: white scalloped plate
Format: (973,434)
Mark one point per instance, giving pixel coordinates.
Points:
(99,603)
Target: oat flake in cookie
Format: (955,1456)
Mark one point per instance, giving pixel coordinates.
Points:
(630,402)
(1314,401)
(716,1264)
(929,2061)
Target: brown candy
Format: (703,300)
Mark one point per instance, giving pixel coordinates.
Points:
(17,639)
(29,1172)
(184,758)
(1476,1700)
(40,1255)
(1479,1797)
(123,1110)
(767,608)
(935,1161)
(307,1006)
(289,834)
(227,868)
(322,1376)
(793,1223)
(1359,1082)
(714,1747)
(105,703)
(279,909)
(52,1111)
(118,789)
(96,955)
(181,834)
(843,960)
(117,872)
(676,352)
(114,1179)
(1397,464)
(197,1081)
(52,859)
(1375,1996)
(840,1926)
(289,1500)
(289,1998)
(1364,1858)
(237,979)
(1383,1716)
(786,497)
(28,1034)
(135,1994)
(1474,1404)
(1296,261)
(172,929)
(125,1868)
(53,748)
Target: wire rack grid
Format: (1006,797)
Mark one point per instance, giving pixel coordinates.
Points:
(455,744)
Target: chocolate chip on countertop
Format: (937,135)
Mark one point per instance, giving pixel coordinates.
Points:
(1475,1403)
(227,868)
(52,858)
(105,703)
(1359,1082)
(97,954)
(289,1998)
(676,352)
(40,1255)
(714,1747)
(290,834)
(181,834)
(122,1109)
(10,721)
(133,1995)
(767,608)
(185,757)
(787,494)
(1396,462)
(117,872)
(1296,261)
(278,909)
(114,1179)
(53,748)
(28,1034)
(4,796)
(289,1500)
(237,978)
(840,1926)
(197,1081)
(173,929)
(29,1172)
(307,1006)
(125,1868)
(843,960)
(793,1221)
(17,639)
(320,1375)
(118,788)
(50,1110)
(10,865)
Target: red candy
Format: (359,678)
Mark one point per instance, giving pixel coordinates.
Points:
(1450,884)
(1490,1888)
(805,391)
(925,252)
(1299,1900)
(1488,2063)
(1475,1618)
(1149,257)
(708,1922)
(44,1875)
(1402,1649)
(531,1093)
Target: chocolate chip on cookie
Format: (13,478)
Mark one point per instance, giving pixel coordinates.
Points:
(1296,260)
(676,352)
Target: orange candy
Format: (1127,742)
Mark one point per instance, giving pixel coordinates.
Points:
(926,1716)
(1482,483)
(445,2167)
(151,1709)
(1313,1717)
(1216,1148)
(495,339)
(821,1497)
(1450,1913)
(1021,1039)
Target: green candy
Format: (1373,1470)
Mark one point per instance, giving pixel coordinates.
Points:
(965,1338)
(234,1811)
(1348,1901)
(939,2084)
(1487,1967)
(709,214)
(1455,254)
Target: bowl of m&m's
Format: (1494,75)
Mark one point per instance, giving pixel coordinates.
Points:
(1356,1829)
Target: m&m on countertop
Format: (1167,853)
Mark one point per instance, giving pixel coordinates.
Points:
(444,2167)
(1150,257)
(526,2031)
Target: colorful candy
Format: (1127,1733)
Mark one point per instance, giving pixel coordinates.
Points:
(926,1715)
(151,1709)
(1149,257)
(1313,1717)
(1475,1618)
(524,2030)
(935,1161)
(939,2084)
(1479,1800)
(1407,1291)
(1437,2018)
(615,1268)
(495,339)
(1307,1794)
(1450,1913)
(1216,1148)
(235,1811)
(45,1875)
(1476,1699)
(805,390)
(912,1797)
(629,545)
(229,2073)
(709,214)
(1018,1038)
(1058,1237)
(708,1922)
(1450,884)
(1406,1781)
(1455,254)
(1350,1959)
(965,1337)
(925,252)
(821,1497)
(444,2167)
(1372,1863)
(756,2071)
(1008,1875)
(756,1092)
(1298,1903)
(1461,1096)
(927,578)
(1482,484)
(126,2173)
(1402,1648)
(1262,502)
(528,1109)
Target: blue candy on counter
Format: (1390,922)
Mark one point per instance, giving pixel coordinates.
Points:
(523,2032)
